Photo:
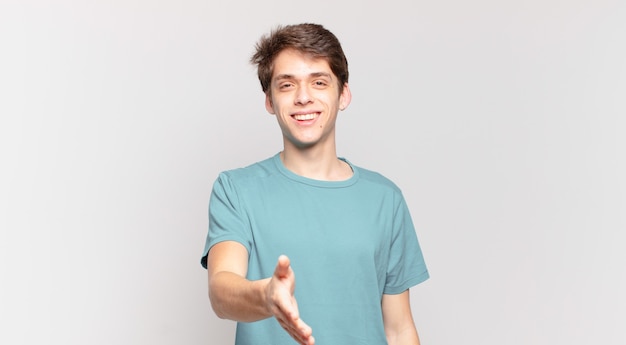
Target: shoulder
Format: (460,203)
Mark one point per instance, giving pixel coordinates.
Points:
(258,169)
(253,171)
(376,178)
(373,185)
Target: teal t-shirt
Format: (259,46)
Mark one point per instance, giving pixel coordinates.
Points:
(349,243)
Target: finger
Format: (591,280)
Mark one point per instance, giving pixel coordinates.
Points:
(294,326)
(300,330)
(304,329)
(287,313)
(301,333)
(284,303)
(304,336)
(282,267)
(292,330)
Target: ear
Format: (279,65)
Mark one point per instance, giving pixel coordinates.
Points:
(345,97)
(269,105)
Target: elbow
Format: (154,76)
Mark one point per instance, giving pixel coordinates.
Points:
(216,305)
(219,313)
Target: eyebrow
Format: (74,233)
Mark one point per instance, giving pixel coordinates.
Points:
(313,75)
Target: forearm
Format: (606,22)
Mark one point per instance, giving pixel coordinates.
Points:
(236,298)
(407,336)
(398,320)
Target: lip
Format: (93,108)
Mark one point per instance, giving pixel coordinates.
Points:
(306,121)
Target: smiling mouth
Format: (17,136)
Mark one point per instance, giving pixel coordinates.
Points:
(305,117)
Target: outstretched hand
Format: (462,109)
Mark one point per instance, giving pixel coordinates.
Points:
(282,303)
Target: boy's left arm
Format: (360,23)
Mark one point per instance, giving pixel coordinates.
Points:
(398,320)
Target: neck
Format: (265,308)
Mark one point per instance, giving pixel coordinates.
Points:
(315,163)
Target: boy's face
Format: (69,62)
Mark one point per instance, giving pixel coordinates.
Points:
(305,97)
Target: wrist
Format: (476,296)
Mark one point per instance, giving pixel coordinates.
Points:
(263,291)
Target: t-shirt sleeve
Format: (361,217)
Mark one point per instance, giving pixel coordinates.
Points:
(227,221)
(406,263)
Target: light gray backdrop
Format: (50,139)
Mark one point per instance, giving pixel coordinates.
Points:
(502,121)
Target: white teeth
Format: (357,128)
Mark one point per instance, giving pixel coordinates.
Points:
(303,117)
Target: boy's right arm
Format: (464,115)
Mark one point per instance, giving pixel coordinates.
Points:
(236,298)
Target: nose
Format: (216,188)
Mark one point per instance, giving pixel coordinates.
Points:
(303,96)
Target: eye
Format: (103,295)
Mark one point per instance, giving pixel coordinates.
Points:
(284,86)
(320,83)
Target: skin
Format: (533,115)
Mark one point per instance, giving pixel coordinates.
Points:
(302,85)
(305,98)
(236,298)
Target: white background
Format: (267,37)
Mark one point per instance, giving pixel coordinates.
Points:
(502,121)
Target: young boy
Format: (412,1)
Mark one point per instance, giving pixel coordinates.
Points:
(345,231)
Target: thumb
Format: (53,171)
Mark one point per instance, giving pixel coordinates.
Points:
(282,267)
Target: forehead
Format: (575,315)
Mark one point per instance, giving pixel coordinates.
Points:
(297,64)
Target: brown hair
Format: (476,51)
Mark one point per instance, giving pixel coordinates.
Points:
(310,39)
